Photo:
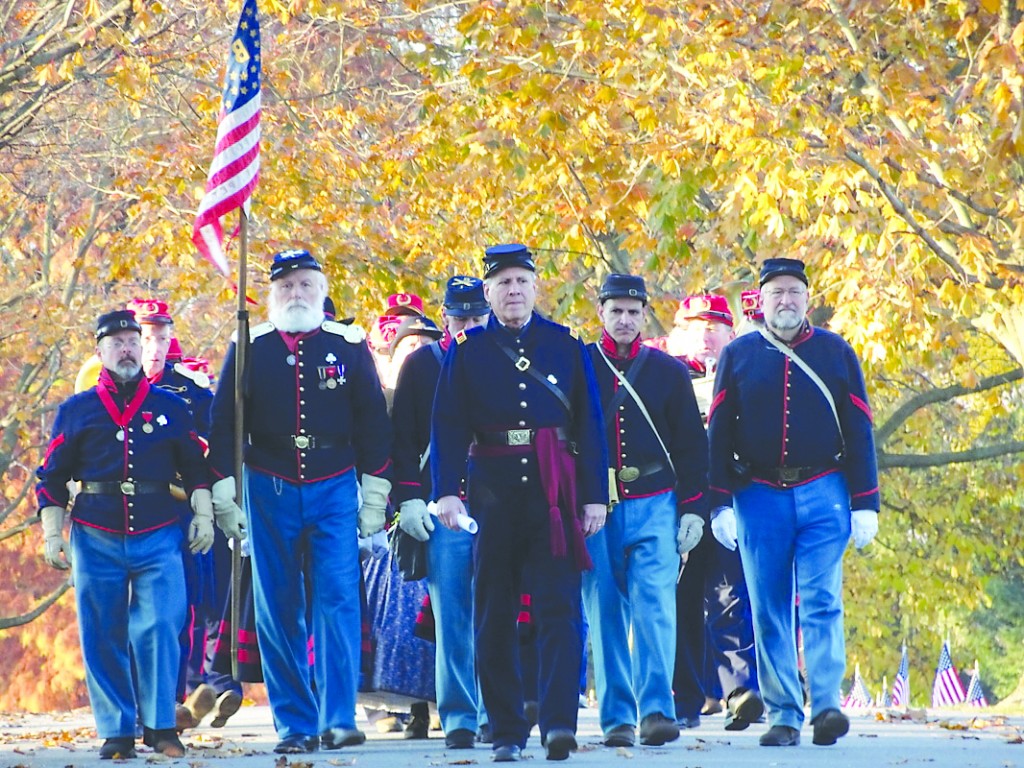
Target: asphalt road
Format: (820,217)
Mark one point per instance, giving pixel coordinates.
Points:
(960,739)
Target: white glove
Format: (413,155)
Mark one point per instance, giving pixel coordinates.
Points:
(863,526)
(414,519)
(375,492)
(723,526)
(230,517)
(200,532)
(691,528)
(54,542)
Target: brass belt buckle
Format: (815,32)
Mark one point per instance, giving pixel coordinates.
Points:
(629,474)
(522,363)
(518,436)
(128,488)
(789,474)
(301,442)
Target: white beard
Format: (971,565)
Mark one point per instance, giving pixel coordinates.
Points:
(295,317)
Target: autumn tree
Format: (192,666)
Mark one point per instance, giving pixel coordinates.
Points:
(686,141)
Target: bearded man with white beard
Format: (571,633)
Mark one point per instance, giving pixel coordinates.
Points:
(314,417)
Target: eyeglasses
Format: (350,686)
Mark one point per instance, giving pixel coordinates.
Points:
(119,344)
(777,293)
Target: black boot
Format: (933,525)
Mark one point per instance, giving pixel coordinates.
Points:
(419,724)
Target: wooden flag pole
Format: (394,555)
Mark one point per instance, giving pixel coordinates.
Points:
(241,352)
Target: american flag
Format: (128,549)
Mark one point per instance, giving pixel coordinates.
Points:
(975,693)
(901,685)
(947,688)
(859,696)
(236,158)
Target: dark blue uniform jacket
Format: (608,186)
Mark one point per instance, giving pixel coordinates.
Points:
(481,390)
(85,447)
(320,387)
(767,413)
(663,384)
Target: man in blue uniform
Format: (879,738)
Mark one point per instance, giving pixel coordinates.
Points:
(792,452)
(314,417)
(519,397)
(126,442)
(724,657)
(658,473)
(207,576)
(449,553)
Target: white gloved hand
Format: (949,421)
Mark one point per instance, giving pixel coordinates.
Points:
(230,517)
(414,519)
(200,532)
(723,526)
(54,542)
(863,526)
(691,528)
(375,492)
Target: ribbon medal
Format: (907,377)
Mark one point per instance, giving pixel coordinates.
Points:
(331,376)
(147,417)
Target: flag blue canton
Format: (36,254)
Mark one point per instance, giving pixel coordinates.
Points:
(242,79)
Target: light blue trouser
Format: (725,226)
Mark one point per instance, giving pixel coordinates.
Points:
(294,530)
(633,584)
(796,534)
(450,584)
(130,591)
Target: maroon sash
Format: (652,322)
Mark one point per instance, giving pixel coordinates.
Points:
(558,476)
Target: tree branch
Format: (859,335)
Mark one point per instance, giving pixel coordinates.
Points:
(8,622)
(920,461)
(922,399)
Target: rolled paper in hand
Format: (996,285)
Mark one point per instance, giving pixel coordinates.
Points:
(466,523)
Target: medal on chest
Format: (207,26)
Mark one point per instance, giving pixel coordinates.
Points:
(331,376)
(147,419)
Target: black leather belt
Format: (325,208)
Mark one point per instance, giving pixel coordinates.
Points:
(297,442)
(788,475)
(125,487)
(629,474)
(513,437)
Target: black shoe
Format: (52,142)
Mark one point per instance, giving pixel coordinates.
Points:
(531,709)
(829,726)
(558,743)
(336,738)
(780,736)
(298,745)
(460,738)
(164,741)
(620,736)
(484,735)
(745,707)
(418,726)
(120,748)
(712,706)
(657,729)
(509,753)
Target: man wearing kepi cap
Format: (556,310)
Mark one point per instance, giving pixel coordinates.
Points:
(519,396)
(126,442)
(315,426)
(449,553)
(207,576)
(792,453)
(658,474)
